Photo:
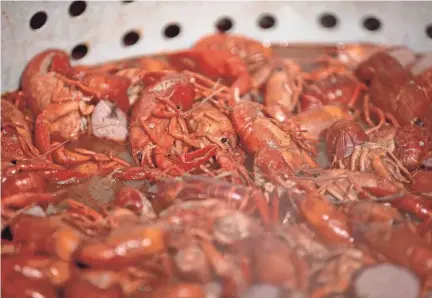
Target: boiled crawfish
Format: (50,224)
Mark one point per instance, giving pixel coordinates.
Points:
(208,125)
(391,237)
(59,96)
(348,145)
(246,199)
(393,93)
(158,131)
(263,138)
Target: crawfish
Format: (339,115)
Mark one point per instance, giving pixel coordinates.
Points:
(347,264)
(316,121)
(274,262)
(394,93)
(249,50)
(54,270)
(282,89)
(204,222)
(48,235)
(411,146)
(92,283)
(409,143)
(17,140)
(210,126)
(183,289)
(354,54)
(421,183)
(329,222)
(137,71)
(339,87)
(28,286)
(257,133)
(46,75)
(244,198)
(422,69)
(60,98)
(22,182)
(22,190)
(139,63)
(20,100)
(123,246)
(18,153)
(348,145)
(349,185)
(215,64)
(154,131)
(344,185)
(47,61)
(376,225)
(134,200)
(425,81)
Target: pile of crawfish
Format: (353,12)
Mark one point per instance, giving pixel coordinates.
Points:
(223,170)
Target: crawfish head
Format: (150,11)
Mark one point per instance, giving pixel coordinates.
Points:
(246,48)
(411,145)
(178,87)
(342,137)
(49,60)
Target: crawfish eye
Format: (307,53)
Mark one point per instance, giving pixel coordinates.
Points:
(139,156)
(419,122)
(14,161)
(224,140)
(178,107)
(6,234)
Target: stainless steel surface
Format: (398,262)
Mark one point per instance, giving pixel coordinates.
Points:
(102,26)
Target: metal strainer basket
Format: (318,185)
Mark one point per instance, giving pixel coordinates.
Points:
(94,32)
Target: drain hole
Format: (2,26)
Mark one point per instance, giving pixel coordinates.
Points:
(328,20)
(38,20)
(224,24)
(126,2)
(172,30)
(79,51)
(130,38)
(266,21)
(429,30)
(77,8)
(371,24)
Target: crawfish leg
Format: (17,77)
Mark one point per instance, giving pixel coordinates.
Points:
(400,167)
(353,160)
(193,160)
(101,157)
(356,95)
(44,120)
(309,160)
(392,120)
(141,173)
(379,167)
(28,166)
(154,138)
(66,157)
(183,135)
(362,160)
(24,199)
(28,148)
(367,110)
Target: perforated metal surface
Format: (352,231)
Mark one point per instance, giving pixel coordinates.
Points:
(102,25)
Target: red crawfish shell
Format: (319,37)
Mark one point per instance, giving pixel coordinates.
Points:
(342,138)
